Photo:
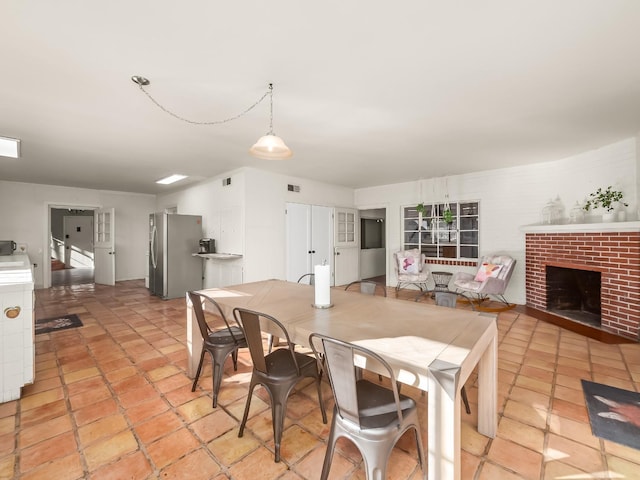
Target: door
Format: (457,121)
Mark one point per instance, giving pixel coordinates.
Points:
(309,237)
(347,246)
(78,241)
(104,246)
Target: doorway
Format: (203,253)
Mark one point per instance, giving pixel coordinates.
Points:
(373,247)
(71,246)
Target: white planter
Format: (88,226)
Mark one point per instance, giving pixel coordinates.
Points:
(609,217)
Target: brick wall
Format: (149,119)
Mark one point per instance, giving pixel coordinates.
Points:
(615,254)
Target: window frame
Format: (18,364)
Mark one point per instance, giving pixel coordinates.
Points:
(442,238)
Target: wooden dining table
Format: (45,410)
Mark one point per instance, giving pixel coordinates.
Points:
(432,348)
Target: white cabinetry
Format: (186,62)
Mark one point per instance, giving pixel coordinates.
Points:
(309,238)
(17,352)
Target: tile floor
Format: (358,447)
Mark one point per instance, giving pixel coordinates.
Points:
(111,400)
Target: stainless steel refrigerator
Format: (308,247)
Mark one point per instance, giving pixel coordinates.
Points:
(173,239)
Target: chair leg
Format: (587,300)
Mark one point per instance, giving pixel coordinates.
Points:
(463,393)
(328,456)
(234,356)
(195,379)
(320,399)
(269,343)
(246,408)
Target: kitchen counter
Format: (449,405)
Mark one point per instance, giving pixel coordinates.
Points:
(17,353)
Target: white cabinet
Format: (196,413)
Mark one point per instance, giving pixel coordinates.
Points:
(309,236)
(17,352)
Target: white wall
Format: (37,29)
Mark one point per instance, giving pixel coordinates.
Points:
(257,200)
(25,219)
(512,197)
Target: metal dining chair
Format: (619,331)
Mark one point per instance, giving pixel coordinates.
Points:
(372,416)
(278,371)
(307,278)
(367,287)
(218,343)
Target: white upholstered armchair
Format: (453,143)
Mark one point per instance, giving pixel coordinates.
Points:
(411,269)
(491,279)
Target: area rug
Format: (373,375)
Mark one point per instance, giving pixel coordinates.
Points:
(46,325)
(614,413)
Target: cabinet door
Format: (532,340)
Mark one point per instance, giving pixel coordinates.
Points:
(298,240)
(321,236)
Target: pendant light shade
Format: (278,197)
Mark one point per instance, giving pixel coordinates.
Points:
(270,147)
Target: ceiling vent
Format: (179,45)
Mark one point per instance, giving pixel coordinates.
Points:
(226,181)
(293,188)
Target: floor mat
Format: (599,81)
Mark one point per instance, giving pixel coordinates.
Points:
(46,325)
(614,413)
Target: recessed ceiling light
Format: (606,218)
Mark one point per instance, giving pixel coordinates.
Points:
(171,179)
(9,147)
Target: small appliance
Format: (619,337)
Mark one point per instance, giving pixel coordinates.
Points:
(7,247)
(207,245)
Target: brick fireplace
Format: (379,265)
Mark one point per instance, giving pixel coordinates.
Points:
(613,250)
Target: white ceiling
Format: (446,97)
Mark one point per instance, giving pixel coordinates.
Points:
(365,92)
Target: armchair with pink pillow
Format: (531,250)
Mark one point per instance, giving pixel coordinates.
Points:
(491,278)
(411,269)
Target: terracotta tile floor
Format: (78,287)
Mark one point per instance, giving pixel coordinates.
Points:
(111,400)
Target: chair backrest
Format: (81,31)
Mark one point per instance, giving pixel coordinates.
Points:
(404,259)
(367,287)
(343,362)
(253,323)
(197,300)
(307,277)
(508,263)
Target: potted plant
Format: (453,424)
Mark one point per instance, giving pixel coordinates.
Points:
(607,199)
(447,216)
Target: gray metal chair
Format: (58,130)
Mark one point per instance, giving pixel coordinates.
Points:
(307,277)
(278,372)
(449,299)
(219,343)
(372,416)
(367,287)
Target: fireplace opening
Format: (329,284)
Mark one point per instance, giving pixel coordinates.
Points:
(574,294)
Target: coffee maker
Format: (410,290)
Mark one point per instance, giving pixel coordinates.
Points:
(207,245)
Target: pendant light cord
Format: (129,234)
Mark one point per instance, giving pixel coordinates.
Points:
(141,82)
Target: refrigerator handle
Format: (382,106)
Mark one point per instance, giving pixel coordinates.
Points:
(154,234)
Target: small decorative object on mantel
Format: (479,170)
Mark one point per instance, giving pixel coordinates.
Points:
(608,199)
(576,215)
(553,211)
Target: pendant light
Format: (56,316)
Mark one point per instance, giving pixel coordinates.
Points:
(270,146)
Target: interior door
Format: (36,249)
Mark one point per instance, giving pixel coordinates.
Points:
(298,238)
(104,246)
(309,236)
(347,246)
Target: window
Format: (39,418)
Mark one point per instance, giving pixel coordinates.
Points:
(438,235)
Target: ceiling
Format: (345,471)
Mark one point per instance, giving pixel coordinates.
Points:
(365,92)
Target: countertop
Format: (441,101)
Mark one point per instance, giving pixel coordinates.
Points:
(15,269)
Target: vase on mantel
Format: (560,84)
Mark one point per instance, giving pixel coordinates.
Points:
(608,217)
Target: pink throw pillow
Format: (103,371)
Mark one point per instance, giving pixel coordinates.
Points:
(487,270)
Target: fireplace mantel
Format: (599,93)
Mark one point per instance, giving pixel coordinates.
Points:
(582,227)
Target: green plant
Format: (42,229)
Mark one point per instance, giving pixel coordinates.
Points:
(605,199)
(447,216)
(420,208)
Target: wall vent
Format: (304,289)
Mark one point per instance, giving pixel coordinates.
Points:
(226,181)
(293,188)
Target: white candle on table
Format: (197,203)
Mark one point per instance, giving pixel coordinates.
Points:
(322,285)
